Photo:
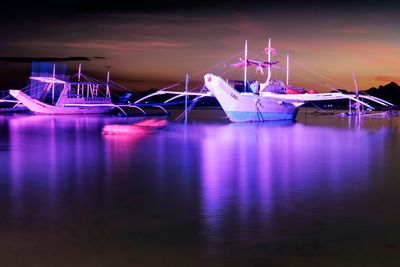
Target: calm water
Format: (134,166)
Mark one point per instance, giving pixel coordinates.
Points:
(321,191)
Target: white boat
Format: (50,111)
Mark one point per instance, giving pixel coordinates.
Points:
(268,106)
(268,101)
(65,105)
(80,97)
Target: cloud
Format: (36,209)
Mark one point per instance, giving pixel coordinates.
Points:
(113,45)
(45,59)
(126,45)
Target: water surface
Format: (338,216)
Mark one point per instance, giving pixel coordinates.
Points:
(320,191)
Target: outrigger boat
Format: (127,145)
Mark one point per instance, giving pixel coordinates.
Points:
(80,97)
(75,97)
(268,101)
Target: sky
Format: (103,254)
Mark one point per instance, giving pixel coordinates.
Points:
(154,44)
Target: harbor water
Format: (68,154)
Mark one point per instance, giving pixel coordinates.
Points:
(320,191)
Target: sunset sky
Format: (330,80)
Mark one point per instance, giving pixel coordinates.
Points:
(154,45)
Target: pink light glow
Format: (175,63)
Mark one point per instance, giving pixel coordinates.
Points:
(139,128)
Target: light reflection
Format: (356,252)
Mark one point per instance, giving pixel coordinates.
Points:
(255,175)
(54,154)
(226,184)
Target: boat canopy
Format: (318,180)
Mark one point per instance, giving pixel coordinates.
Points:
(47,79)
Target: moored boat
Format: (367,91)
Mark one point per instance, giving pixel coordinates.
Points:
(74,97)
(254,101)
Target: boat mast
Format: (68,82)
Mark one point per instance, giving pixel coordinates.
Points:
(269,60)
(245,67)
(287,69)
(52,87)
(107,86)
(186,95)
(355,84)
(79,78)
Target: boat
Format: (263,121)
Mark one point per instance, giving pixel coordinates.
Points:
(253,101)
(74,97)
(85,95)
(145,126)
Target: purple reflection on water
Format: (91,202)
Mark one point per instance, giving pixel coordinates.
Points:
(256,176)
(211,193)
(56,159)
(49,156)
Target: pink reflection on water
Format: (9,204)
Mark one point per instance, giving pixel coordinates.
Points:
(24,163)
(51,152)
(136,129)
(121,141)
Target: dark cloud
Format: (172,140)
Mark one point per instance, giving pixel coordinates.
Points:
(46,59)
(75,7)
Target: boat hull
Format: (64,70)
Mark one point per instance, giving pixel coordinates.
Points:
(246,116)
(39,107)
(249,107)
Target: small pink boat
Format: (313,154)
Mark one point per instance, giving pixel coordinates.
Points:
(141,127)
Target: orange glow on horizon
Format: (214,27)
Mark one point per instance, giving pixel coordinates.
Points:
(153,51)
